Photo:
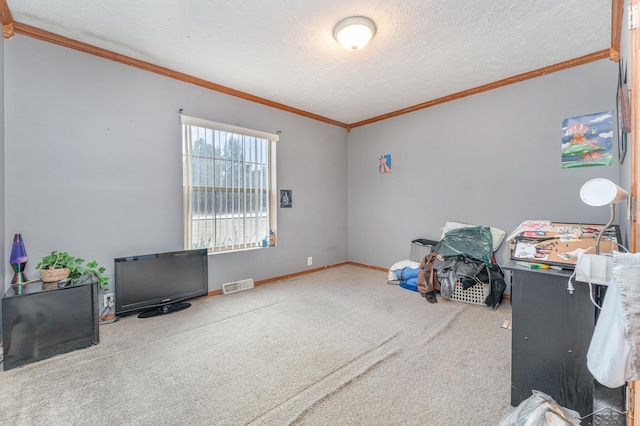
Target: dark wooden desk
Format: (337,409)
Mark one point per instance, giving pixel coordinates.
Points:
(39,324)
(552,331)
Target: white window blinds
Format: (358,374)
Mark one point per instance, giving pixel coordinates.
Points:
(228,185)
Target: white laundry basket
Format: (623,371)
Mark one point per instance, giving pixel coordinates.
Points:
(420,248)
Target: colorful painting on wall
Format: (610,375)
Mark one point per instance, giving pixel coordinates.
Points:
(384,163)
(587,140)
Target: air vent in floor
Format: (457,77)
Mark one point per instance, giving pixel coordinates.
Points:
(234,286)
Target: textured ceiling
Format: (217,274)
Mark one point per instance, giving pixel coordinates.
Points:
(284,50)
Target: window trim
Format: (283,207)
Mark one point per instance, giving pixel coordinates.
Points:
(199,122)
(272,188)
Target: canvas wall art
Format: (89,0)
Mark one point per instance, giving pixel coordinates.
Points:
(587,140)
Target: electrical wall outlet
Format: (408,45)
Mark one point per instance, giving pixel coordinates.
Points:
(309,261)
(108,300)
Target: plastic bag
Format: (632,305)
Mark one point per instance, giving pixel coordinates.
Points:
(475,242)
(609,357)
(540,410)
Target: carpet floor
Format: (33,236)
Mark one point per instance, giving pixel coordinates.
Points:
(336,347)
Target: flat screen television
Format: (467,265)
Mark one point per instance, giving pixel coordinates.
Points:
(159,283)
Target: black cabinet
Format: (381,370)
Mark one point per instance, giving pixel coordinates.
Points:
(41,323)
(552,331)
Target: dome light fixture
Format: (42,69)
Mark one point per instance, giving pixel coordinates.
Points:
(355,32)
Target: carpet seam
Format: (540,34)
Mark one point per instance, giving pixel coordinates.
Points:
(333,372)
(342,386)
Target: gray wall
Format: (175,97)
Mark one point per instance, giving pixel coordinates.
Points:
(490,159)
(93,165)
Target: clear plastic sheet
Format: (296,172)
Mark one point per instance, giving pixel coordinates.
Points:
(475,242)
(540,410)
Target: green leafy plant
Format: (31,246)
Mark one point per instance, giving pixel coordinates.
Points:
(57,260)
(80,272)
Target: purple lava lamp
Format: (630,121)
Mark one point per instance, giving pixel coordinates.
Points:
(18,260)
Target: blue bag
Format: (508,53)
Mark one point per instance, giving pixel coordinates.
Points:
(410,284)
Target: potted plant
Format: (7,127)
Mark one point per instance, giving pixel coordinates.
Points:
(60,265)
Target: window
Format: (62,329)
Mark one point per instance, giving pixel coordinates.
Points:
(229,185)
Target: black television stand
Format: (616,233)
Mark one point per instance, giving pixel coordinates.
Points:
(40,322)
(164,309)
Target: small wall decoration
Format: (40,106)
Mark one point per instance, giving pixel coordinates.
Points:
(624,111)
(384,163)
(286,198)
(587,140)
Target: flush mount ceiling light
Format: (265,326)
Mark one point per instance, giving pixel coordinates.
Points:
(354,33)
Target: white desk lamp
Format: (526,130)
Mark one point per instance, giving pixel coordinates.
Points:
(600,192)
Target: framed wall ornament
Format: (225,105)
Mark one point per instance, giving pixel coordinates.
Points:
(623,107)
(286,198)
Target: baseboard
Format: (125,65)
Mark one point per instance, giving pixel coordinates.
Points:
(297,274)
(362,265)
(300,273)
